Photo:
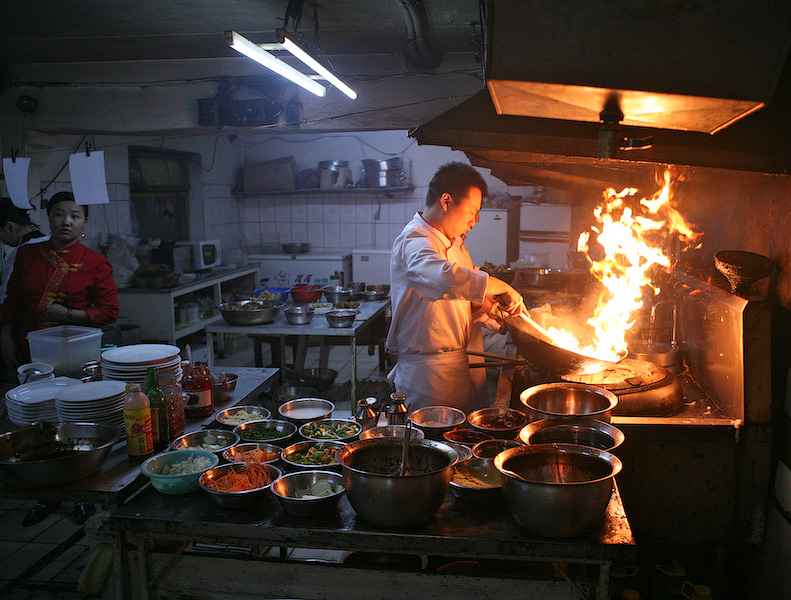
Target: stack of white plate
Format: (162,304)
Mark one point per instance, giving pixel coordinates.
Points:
(130,363)
(36,401)
(92,402)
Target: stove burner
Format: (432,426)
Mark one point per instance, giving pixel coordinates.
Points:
(643,388)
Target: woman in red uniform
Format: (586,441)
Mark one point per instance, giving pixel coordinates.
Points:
(56,282)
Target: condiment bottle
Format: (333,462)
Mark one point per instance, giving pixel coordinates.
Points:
(175,395)
(197,390)
(396,410)
(367,415)
(137,421)
(159,412)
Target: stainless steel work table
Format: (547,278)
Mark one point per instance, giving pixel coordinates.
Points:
(459,530)
(280,328)
(119,477)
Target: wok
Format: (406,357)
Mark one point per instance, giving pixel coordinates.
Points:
(533,344)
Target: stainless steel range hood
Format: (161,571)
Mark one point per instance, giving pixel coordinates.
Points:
(691,65)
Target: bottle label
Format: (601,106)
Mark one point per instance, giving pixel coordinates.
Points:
(197,400)
(139,438)
(155,432)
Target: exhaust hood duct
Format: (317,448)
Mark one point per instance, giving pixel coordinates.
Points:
(690,65)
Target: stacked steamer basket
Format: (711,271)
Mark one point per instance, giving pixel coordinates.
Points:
(92,402)
(130,364)
(36,401)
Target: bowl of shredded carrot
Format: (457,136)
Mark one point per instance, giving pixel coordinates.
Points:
(252,452)
(239,485)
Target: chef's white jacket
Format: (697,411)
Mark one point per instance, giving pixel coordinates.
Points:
(433,282)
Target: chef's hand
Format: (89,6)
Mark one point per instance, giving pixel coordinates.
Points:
(509,299)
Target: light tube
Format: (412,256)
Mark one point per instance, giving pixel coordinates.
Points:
(249,49)
(290,44)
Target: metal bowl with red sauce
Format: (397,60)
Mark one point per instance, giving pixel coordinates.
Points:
(503,423)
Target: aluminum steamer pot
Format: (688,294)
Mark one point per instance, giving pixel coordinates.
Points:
(382,497)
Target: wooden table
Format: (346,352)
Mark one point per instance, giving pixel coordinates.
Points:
(118,477)
(532,567)
(280,328)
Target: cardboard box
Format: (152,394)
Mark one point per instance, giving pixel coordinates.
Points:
(271,175)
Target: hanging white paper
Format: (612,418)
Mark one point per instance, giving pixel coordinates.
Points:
(16,181)
(88,181)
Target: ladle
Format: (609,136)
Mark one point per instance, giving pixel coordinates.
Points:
(405,449)
(29,372)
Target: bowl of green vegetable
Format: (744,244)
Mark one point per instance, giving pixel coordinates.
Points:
(304,456)
(309,493)
(340,430)
(178,472)
(271,431)
(212,440)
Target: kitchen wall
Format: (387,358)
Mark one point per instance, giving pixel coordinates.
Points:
(338,220)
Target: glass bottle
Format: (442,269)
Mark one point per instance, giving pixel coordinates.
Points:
(137,422)
(197,390)
(159,412)
(175,399)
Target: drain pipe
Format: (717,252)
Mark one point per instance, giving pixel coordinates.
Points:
(421,55)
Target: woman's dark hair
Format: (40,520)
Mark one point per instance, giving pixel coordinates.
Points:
(456,179)
(64,197)
(9,212)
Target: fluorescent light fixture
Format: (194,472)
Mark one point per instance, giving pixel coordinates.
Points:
(249,49)
(292,45)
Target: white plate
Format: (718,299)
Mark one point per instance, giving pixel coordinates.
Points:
(40,391)
(167,364)
(92,391)
(141,354)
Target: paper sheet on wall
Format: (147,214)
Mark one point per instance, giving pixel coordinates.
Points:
(16,181)
(88,181)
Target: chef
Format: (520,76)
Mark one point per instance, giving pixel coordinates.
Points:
(438,295)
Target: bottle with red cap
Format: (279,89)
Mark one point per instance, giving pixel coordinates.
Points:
(197,384)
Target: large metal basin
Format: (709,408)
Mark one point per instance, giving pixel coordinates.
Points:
(383,497)
(557,490)
(564,400)
(35,457)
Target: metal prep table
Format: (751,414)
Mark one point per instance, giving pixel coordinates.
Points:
(461,531)
(368,315)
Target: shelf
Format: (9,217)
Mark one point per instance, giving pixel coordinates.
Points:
(314,191)
(197,326)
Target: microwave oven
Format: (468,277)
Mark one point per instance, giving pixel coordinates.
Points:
(204,254)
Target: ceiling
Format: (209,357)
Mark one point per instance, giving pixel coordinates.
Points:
(54,31)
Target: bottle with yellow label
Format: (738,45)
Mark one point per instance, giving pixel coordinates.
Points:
(137,420)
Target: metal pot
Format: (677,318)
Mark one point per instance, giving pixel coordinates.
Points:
(563,400)
(664,354)
(382,497)
(557,490)
(383,173)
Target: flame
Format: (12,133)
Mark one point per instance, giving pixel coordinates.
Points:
(629,236)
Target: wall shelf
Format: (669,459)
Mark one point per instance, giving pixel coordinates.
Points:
(315,191)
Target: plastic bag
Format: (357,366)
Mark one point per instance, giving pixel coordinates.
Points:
(121,254)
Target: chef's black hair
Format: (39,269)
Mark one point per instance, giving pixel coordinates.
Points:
(10,212)
(456,179)
(64,197)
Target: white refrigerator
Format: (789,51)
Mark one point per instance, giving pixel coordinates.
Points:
(544,233)
(285,270)
(494,237)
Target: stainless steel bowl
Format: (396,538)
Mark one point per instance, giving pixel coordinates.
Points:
(585,432)
(341,317)
(304,410)
(232,454)
(383,497)
(290,392)
(237,499)
(397,431)
(324,431)
(568,400)
(280,433)
(223,385)
(382,288)
(357,287)
(436,420)
(467,437)
(296,247)
(503,423)
(236,313)
(337,293)
(37,456)
(294,493)
(324,445)
(462,452)
(299,315)
(230,417)
(557,490)
(476,481)
(491,448)
(371,295)
(213,440)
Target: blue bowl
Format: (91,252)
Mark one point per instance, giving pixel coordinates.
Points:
(283,291)
(176,484)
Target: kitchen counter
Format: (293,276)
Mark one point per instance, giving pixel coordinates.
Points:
(459,530)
